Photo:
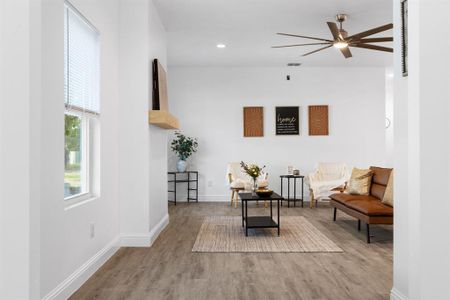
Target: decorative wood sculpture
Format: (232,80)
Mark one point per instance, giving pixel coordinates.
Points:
(160,101)
(253,121)
(159,115)
(318,120)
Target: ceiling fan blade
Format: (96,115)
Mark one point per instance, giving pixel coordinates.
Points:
(305,37)
(298,45)
(360,35)
(334,31)
(346,52)
(373,47)
(323,48)
(376,40)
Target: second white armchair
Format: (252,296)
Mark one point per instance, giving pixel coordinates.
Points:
(326,177)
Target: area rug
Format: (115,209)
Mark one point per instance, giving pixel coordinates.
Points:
(226,234)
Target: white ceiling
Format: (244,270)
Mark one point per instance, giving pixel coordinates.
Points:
(248,28)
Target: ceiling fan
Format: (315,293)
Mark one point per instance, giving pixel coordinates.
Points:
(342,41)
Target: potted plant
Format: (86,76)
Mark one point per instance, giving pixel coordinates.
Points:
(184,147)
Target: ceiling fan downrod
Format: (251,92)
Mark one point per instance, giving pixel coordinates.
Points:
(341,18)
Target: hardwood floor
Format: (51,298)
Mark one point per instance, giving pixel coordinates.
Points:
(169,270)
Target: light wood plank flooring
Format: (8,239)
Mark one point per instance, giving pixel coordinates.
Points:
(169,270)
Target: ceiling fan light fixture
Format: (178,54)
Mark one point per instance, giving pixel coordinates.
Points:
(340,45)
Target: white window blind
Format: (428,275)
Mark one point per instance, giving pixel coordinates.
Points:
(82,74)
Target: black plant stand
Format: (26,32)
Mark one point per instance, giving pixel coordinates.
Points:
(294,199)
(179,177)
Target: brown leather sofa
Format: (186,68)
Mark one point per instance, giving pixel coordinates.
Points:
(368,209)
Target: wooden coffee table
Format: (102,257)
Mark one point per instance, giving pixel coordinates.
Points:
(260,221)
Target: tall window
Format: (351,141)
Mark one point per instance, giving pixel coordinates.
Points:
(82,102)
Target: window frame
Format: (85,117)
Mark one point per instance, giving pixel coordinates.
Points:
(90,130)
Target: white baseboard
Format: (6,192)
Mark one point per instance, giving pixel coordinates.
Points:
(158,228)
(72,283)
(214,198)
(144,240)
(396,295)
(224,198)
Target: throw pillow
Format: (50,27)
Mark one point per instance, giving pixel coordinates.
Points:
(388,197)
(360,182)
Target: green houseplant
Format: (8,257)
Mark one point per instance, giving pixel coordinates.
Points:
(184,147)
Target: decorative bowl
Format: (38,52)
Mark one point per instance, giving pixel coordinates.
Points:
(264,193)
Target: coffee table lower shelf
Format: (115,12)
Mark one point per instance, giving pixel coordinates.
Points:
(261,222)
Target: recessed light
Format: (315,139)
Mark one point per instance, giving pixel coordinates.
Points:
(221,46)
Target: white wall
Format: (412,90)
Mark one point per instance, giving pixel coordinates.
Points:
(51,252)
(158,137)
(15,110)
(134,93)
(66,245)
(209,103)
(389,111)
(422,145)
(143,152)
(402,193)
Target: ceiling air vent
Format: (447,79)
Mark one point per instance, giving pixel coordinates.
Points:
(294,64)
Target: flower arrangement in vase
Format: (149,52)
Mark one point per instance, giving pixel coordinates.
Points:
(184,147)
(254,171)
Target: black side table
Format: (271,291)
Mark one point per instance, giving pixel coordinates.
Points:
(294,198)
(178,179)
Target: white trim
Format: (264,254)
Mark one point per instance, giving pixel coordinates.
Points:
(80,202)
(144,240)
(158,228)
(227,198)
(72,283)
(397,295)
(135,240)
(213,198)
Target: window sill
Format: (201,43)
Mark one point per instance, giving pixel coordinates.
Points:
(79,201)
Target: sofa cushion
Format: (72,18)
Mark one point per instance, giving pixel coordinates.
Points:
(371,207)
(380,180)
(359,183)
(344,198)
(388,198)
(381,175)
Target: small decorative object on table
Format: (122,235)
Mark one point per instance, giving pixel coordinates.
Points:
(296,173)
(254,171)
(184,147)
(290,170)
(264,192)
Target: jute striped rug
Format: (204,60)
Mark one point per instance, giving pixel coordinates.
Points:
(226,234)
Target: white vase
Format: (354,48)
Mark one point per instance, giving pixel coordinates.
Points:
(181,165)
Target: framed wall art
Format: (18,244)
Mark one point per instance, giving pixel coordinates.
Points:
(404,16)
(287,120)
(253,121)
(318,119)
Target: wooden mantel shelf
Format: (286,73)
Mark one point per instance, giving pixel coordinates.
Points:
(163,119)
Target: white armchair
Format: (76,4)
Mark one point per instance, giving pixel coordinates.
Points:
(326,177)
(238,180)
